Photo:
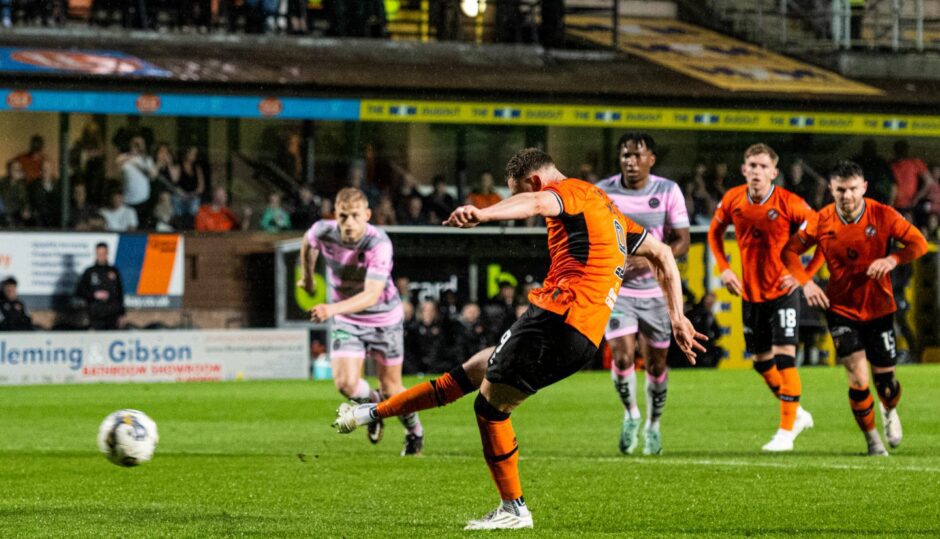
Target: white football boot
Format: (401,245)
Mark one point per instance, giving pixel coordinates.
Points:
(804,421)
(349,417)
(500,519)
(892,426)
(782,441)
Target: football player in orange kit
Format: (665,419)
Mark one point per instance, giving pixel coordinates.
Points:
(762,215)
(855,235)
(588,241)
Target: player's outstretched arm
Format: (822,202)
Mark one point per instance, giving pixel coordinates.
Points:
(716,242)
(667,273)
(363,300)
(308,261)
(521,206)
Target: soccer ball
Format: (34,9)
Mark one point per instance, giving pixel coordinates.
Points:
(128,437)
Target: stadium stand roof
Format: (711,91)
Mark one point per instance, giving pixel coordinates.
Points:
(372,68)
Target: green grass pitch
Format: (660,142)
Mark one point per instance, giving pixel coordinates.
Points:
(258,459)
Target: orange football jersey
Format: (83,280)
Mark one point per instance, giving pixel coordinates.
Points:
(588,244)
(851,247)
(762,228)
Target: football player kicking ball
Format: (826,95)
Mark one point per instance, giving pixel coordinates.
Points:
(588,241)
(854,233)
(364,304)
(657,205)
(762,214)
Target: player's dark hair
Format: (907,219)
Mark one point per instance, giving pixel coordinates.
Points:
(845,170)
(101,244)
(637,137)
(527,161)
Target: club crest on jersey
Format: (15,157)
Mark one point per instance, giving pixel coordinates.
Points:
(773,214)
(870,231)
(654,202)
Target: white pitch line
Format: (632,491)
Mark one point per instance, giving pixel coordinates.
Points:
(665,461)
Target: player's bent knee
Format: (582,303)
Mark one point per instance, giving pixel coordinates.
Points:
(763,366)
(784,361)
(487,411)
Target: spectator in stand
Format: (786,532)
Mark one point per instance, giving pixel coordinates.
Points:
(306,211)
(45,197)
(719,182)
(403,284)
(297,17)
(194,176)
(87,161)
(414,212)
(4,218)
(326,208)
(168,172)
(469,332)
(13,314)
(31,161)
(439,203)
(806,182)
(82,215)
(138,169)
(13,190)
(275,218)
(878,173)
(6,13)
(103,12)
(162,218)
(26,218)
(195,13)
(484,196)
(118,216)
(698,199)
(931,228)
(384,214)
(216,216)
(429,352)
(448,306)
(911,176)
(356,177)
(101,288)
(290,154)
(500,312)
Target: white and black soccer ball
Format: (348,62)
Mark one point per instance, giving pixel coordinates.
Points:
(128,437)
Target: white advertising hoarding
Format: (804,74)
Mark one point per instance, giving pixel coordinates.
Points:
(153,356)
(48,265)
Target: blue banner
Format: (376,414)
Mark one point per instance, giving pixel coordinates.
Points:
(70,61)
(163,104)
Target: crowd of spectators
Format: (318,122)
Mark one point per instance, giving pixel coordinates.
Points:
(159,188)
(442,334)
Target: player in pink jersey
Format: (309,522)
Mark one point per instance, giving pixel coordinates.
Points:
(364,305)
(658,206)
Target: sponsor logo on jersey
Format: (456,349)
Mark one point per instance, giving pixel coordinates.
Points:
(772,215)
(870,231)
(654,202)
(852,254)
